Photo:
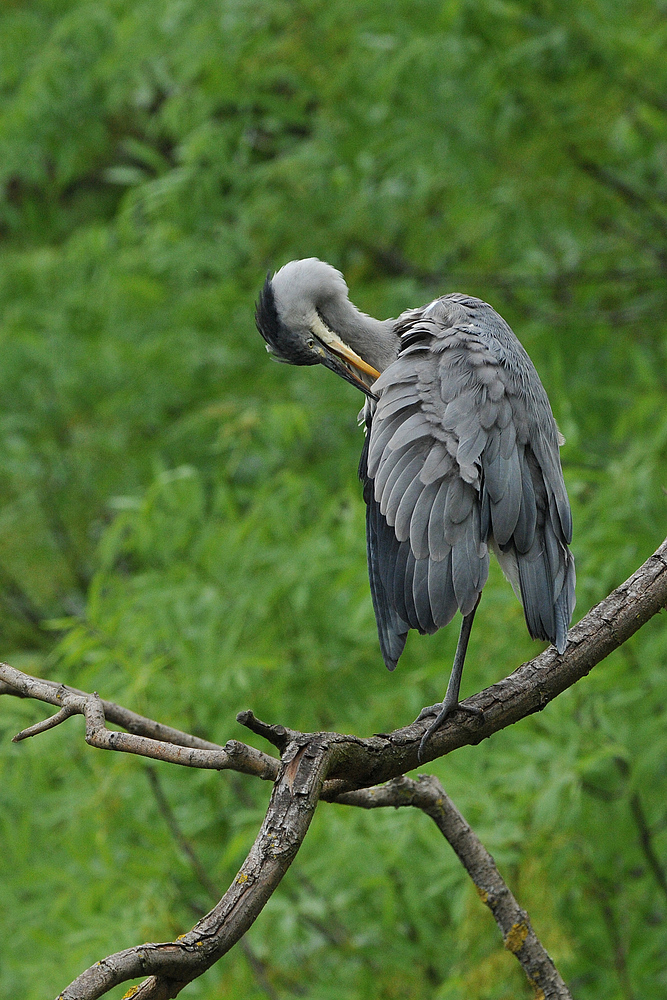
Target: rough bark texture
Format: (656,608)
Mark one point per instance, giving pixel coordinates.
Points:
(428,795)
(336,767)
(172,965)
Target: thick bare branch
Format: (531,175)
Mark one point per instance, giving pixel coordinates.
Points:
(428,794)
(364,762)
(259,968)
(172,965)
(528,689)
(323,765)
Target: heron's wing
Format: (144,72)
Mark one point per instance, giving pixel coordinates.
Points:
(381,547)
(426,555)
(463,449)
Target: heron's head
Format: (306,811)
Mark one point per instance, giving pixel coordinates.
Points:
(290,315)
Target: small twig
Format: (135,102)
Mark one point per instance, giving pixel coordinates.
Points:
(428,794)
(46,724)
(646,842)
(22,685)
(278,735)
(234,755)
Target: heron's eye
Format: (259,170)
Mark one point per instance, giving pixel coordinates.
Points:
(310,343)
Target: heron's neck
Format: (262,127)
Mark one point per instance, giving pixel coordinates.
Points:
(373,340)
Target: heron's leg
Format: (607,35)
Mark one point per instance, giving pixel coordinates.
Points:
(451,701)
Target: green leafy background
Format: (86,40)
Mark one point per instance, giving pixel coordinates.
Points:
(181,527)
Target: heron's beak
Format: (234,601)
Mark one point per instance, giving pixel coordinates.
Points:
(344,365)
(347,354)
(341,359)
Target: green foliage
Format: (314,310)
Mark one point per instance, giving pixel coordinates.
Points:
(180,523)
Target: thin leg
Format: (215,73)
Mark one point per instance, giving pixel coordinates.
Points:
(452,694)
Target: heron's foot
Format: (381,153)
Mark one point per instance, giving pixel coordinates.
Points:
(442,711)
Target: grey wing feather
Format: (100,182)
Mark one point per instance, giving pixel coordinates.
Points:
(381,548)
(441,590)
(391,503)
(413,428)
(462,450)
(438,463)
(460,499)
(389,471)
(405,579)
(421,598)
(397,589)
(420,520)
(378,444)
(505,510)
(398,403)
(407,517)
(470,566)
(526,524)
(438,546)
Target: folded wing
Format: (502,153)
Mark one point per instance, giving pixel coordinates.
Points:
(462,454)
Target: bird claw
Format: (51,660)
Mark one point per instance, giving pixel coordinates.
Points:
(429,710)
(439,706)
(442,712)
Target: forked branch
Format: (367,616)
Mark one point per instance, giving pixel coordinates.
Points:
(145,737)
(172,965)
(331,766)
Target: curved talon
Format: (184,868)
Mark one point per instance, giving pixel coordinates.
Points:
(444,711)
(429,710)
(437,708)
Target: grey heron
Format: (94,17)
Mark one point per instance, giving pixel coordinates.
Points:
(461,456)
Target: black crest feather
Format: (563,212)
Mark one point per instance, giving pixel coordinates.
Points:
(283,343)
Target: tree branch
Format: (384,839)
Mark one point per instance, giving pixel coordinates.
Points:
(162,743)
(257,966)
(172,965)
(646,842)
(361,762)
(428,795)
(325,766)
(528,689)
